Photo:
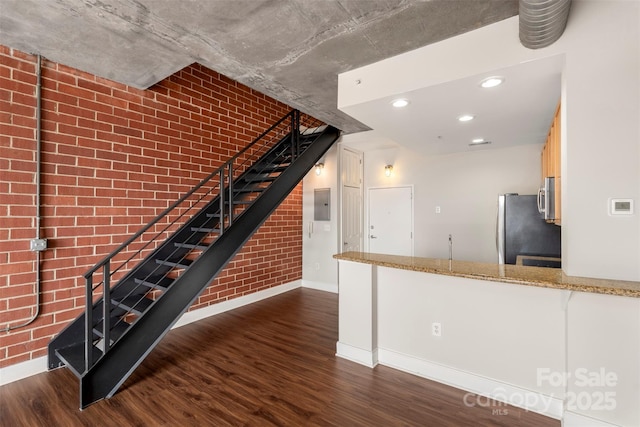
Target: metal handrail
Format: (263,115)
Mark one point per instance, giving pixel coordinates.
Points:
(225,172)
(140,232)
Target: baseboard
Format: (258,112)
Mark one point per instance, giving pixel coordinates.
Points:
(475,384)
(321,286)
(36,366)
(358,355)
(221,307)
(571,419)
(23,370)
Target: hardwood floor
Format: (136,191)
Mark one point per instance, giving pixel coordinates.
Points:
(270,363)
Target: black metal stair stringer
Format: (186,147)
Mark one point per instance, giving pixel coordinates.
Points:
(110,371)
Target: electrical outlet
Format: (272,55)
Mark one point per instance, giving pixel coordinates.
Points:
(38,245)
(436,329)
(437,209)
(317,265)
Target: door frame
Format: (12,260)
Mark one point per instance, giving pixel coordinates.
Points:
(368,214)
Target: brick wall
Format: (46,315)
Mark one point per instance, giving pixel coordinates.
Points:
(113,157)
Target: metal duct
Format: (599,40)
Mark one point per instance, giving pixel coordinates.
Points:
(542,22)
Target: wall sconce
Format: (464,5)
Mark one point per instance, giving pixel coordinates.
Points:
(388,169)
(319,167)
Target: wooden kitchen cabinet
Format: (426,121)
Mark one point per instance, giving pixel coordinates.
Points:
(551,162)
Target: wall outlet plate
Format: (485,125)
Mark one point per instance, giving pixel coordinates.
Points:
(436,329)
(38,245)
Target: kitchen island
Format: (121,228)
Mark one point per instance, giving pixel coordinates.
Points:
(563,346)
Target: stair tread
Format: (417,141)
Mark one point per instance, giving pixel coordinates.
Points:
(252,180)
(73,357)
(258,178)
(180,263)
(242,202)
(206,229)
(134,303)
(199,246)
(249,190)
(156,282)
(268,169)
(116,331)
(313,131)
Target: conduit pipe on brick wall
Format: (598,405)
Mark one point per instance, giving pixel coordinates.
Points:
(38,195)
(542,22)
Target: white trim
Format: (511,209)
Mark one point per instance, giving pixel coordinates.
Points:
(320,286)
(482,386)
(358,355)
(571,419)
(23,370)
(36,366)
(221,307)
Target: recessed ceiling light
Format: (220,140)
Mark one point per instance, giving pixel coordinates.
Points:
(492,81)
(477,140)
(466,117)
(400,103)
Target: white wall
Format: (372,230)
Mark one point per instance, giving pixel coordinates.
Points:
(604,341)
(465,186)
(319,269)
(602,141)
(600,134)
(500,331)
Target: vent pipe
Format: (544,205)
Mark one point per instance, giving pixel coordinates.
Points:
(542,22)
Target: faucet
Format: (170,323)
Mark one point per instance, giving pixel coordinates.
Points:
(450,251)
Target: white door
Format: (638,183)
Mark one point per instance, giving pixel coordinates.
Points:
(391,221)
(351,230)
(352,220)
(351,168)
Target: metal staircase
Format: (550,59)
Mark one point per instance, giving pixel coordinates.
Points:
(136,293)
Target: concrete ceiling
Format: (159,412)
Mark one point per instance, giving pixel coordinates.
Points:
(292,50)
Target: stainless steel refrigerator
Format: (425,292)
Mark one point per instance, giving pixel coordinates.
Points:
(523,237)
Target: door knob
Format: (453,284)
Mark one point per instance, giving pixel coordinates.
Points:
(374,237)
(345,243)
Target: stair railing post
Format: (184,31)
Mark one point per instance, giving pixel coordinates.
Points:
(88,323)
(295,134)
(222,201)
(106,306)
(293,127)
(230,178)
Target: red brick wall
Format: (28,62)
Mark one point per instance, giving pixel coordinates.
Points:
(113,157)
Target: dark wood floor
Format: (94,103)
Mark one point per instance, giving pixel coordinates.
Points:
(270,363)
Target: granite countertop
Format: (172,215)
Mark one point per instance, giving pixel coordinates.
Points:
(518,274)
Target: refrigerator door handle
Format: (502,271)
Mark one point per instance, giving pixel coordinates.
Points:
(500,229)
(541,200)
(498,238)
(549,199)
